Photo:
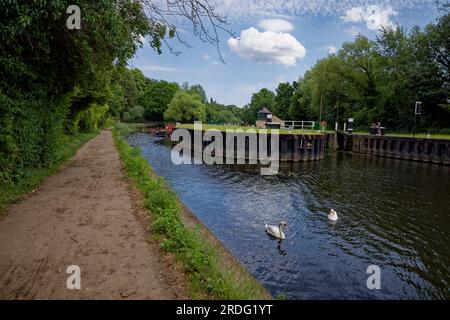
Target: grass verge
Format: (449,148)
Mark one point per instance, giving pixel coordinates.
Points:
(420,136)
(32,177)
(232,127)
(410,135)
(199,258)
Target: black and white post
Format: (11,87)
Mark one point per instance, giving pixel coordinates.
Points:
(417,111)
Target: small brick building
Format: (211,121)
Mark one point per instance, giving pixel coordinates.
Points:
(266,120)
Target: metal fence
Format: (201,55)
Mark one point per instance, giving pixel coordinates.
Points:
(302,125)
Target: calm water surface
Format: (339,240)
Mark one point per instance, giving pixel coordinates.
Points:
(392,213)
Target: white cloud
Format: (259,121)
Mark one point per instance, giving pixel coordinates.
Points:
(150,67)
(276,25)
(375,16)
(378,17)
(332,50)
(354,15)
(206,57)
(268,46)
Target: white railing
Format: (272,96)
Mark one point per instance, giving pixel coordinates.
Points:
(302,125)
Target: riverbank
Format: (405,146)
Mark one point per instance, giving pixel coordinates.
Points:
(33,177)
(223,128)
(212,271)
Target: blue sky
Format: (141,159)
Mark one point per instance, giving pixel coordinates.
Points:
(277,42)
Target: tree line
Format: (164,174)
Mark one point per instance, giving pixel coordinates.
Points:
(368,80)
(373,81)
(138,98)
(56,82)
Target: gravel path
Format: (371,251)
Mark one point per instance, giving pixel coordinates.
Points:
(85,215)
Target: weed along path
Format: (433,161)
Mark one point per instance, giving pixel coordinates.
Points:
(86,216)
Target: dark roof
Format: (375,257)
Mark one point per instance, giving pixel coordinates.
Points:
(264,110)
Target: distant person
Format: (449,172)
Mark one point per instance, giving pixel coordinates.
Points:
(378,127)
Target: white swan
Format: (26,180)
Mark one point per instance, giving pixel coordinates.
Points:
(333,215)
(277,232)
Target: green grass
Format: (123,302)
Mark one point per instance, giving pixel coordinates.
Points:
(420,135)
(232,127)
(190,246)
(410,135)
(310,132)
(32,177)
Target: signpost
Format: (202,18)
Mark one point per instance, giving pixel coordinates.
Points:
(350,125)
(417,111)
(418,107)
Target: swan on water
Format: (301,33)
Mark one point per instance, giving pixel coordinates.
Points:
(277,232)
(333,215)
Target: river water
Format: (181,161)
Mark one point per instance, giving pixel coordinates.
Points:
(393,214)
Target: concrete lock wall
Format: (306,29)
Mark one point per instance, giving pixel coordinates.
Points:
(292,147)
(425,150)
(302,147)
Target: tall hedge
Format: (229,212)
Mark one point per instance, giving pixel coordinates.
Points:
(55,80)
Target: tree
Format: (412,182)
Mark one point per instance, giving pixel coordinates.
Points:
(185,86)
(52,76)
(220,114)
(156,99)
(205,22)
(198,89)
(321,91)
(55,80)
(283,98)
(380,80)
(435,42)
(135,114)
(140,81)
(185,107)
(130,89)
(298,106)
(116,100)
(262,99)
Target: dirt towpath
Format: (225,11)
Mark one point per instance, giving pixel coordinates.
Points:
(84,215)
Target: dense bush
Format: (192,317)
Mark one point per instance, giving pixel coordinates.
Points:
(135,114)
(185,107)
(156,99)
(89,119)
(31,127)
(56,80)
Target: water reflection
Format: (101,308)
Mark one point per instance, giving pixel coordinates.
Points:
(280,250)
(392,213)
